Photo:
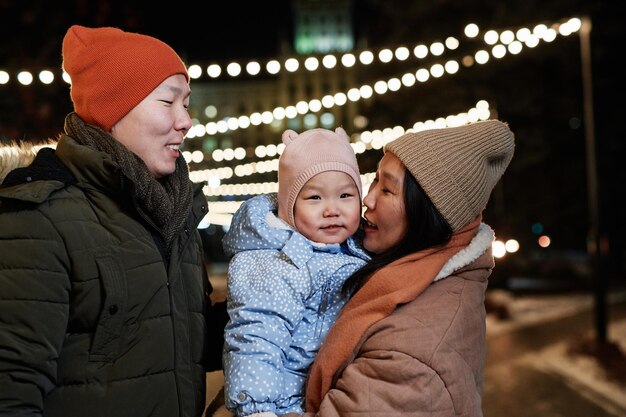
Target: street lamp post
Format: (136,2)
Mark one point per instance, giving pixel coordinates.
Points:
(594,237)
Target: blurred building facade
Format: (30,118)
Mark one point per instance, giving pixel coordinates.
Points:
(320,28)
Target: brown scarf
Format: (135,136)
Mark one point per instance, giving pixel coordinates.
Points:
(397,283)
(166,202)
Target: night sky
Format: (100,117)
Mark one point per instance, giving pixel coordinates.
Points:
(229,29)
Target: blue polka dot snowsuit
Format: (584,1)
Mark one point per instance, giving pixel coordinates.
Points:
(283,297)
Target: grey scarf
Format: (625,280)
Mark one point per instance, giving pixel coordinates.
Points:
(167,202)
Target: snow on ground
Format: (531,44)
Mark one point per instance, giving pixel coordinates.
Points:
(582,371)
(529,310)
(585,373)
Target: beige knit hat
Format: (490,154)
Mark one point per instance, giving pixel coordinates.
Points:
(308,154)
(457,167)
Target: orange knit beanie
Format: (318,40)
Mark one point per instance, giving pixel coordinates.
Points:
(112,71)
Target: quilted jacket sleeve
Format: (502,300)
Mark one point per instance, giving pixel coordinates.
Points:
(381,383)
(386,383)
(34,293)
(264,309)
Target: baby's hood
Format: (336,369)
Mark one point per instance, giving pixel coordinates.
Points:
(255,225)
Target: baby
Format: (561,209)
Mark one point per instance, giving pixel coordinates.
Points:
(286,271)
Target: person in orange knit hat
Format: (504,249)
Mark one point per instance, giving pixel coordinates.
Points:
(411,339)
(105,304)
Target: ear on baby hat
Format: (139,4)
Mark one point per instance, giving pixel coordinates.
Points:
(288,136)
(342,134)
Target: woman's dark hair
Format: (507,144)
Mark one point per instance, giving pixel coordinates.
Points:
(426,228)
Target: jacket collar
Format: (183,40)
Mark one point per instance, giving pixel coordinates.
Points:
(36,181)
(479,244)
(19,155)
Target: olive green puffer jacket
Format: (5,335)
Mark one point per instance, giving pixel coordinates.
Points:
(92,322)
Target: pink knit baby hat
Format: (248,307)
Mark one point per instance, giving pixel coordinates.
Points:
(306,155)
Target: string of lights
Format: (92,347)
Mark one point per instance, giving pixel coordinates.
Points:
(221,211)
(313,63)
(501,43)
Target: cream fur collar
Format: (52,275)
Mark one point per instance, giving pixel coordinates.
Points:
(479,244)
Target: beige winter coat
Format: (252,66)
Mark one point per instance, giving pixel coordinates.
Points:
(427,357)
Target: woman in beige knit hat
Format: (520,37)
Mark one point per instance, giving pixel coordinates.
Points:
(411,340)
